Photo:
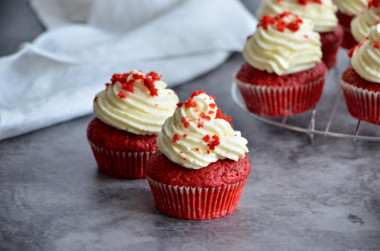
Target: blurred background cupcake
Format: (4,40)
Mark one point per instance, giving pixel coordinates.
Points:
(284,74)
(348,10)
(361,24)
(129,114)
(361,82)
(321,13)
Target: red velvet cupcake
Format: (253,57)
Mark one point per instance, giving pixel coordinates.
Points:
(321,12)
(361,82)
(202,168)
(347,10)
(130,113)
(284,74)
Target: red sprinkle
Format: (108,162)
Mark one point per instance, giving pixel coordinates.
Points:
(206,138)
(96,99)
(107,85)
(197,149)
(180,104)
(185,135)
(208,152)
(204,116)
(214,143)
(196,93)
(175,138)
(122,95)
(185,122)
(376,45)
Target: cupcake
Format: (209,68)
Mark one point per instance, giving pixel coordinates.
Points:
(129,114)
(201,168)
(362,23)
(361,81)
(321,12)
(284,74)
(347,10)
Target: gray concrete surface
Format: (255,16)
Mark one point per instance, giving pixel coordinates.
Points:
(323,195)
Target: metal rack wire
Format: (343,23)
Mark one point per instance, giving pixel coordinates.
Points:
(309,128)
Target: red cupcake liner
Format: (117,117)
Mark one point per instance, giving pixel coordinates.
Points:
(361,103)
(195,203)
(124,165)
(281,101)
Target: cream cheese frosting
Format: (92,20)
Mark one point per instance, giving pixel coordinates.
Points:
(351,7)
(283,45)
(136,102)
(321,12)
(366,56)
(362,23)
(198,134)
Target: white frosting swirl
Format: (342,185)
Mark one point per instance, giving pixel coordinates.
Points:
(137,112)
(284,52)
(362,23)
(351,7)
(322,14)
(366,57)
(193,137)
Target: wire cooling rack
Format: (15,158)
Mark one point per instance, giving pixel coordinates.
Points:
(330,119)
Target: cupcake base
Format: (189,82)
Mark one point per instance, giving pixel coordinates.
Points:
(210,192)
(271,95)
(119,153)
(362,97)
(122,165)
(331,41)
(196,203)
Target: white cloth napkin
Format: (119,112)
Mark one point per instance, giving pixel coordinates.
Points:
(55,77)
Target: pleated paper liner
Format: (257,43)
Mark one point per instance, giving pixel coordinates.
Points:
(194,203)
(362,104)
(124,165)
(281,101)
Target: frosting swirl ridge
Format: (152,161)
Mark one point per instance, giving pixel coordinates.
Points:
(366,56)
(361,24)
(136,102)
(284,44)
(198,134)
(351,7)
(321,12)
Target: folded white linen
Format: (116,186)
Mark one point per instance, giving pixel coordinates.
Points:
(55,77)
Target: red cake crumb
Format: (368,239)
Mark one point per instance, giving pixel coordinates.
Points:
(184,135)
(96,99)
(122,95)
(147,79)
(108,137)
(280,23)
(175,138)
(225,171)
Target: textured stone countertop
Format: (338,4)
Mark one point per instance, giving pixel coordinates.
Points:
(301,195)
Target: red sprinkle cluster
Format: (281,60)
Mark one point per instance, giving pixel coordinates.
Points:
(278,21)
(127,85)
(213,141)
(374,3)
